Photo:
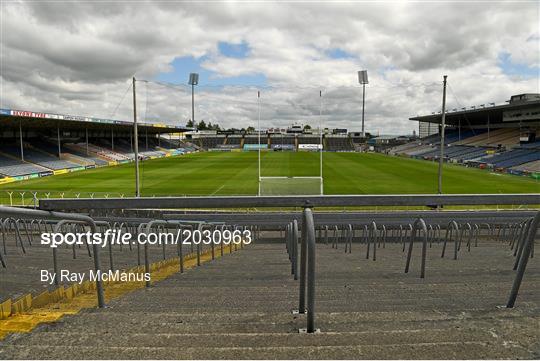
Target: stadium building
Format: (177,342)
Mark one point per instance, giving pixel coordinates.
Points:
(36,144)
(505,138)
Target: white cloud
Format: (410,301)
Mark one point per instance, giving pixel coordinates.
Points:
(79,57)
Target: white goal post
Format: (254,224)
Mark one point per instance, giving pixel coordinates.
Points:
(295,185)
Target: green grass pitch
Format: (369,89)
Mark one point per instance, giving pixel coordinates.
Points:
(235,173)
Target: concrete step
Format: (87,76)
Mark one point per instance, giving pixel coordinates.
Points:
(230,339)
(447,350)
(278,322)
(238,307)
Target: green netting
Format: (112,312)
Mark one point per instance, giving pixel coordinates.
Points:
(289,186)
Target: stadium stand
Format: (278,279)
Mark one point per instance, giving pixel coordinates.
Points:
(401,149)
(214,141)
(468,153)
(417,147)
(47,161)
(13,167)
(308,139)
(533,145)
(493,138)
(104,152)
(456,153)
(280,142)
(55,143)
(511,158)
(282,139)
(181,146)
(45,146)
(79,150)
(508,138)
(254,139)
(419,150)
(530,167)
(234,141)
(338,143)
(476,148)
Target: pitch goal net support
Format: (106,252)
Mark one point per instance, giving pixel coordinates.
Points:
(290,186)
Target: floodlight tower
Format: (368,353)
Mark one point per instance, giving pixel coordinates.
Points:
(443,118)
(363,79)
(193,80)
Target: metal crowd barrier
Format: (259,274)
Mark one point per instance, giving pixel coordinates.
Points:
(521,240)
(519,234)
(21,223)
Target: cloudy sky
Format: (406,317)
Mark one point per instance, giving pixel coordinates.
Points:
(79,57)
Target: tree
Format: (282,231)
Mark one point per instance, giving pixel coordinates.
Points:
(189,123)
(250,129)
(307,127)
(202,125)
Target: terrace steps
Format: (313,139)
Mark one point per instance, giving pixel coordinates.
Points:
(239,307)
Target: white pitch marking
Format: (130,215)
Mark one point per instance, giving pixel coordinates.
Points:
(217,190)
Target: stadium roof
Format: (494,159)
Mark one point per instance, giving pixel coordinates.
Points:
(10,118)
(514,113)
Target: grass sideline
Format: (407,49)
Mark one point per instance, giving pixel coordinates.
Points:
(235,173)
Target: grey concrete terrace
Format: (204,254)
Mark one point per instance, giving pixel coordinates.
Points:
(239,307)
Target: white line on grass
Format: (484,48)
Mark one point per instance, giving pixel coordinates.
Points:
(217,190)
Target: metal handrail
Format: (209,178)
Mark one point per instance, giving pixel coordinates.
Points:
(303,264)
(39,214)
(349,240)
(294,242)
(372,235)
(419,222)
(524,258)
(521,242)
(449,232)
(290,201)
(307,265)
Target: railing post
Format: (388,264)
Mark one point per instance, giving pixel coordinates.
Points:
(111,260)
(99,285)
(146,263)
(422,224)
(309,230)
(198,248)
(303,264)
(449,233)
(55,267)
(146,259)
(294,243)
(529,243)
(288,242)
(521,242)
(351,236)
(307,265)
(181,252)
(213,248)
(97,265)
(221,242)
